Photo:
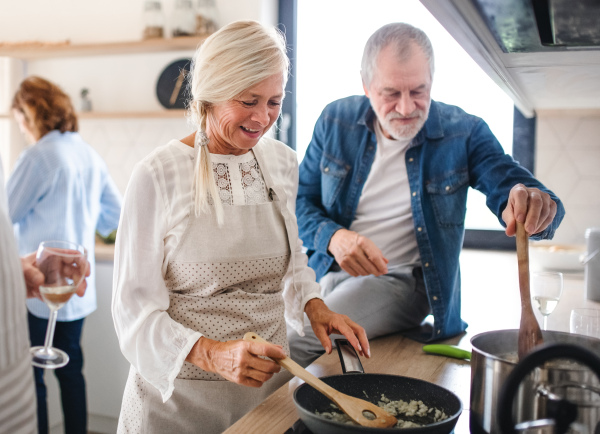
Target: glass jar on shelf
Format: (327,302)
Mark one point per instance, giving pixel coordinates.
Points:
(183,19)
(154,19)
(206,17)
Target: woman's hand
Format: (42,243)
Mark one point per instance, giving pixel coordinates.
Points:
(237,361)
(325,322)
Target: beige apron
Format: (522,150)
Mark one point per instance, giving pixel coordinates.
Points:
(223,282)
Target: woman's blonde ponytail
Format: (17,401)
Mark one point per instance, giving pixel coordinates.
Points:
(204,181)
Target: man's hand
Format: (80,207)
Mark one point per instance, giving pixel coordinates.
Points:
(238,361)
(325,322)
(357,255)
(34,277)
(83,285)
(530,206)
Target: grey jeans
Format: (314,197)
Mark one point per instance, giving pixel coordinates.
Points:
(391,303)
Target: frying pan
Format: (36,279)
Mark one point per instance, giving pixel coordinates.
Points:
(370,387)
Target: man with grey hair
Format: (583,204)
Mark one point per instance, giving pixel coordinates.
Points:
(382,196)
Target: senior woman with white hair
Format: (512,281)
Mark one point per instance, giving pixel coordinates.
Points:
(208,250)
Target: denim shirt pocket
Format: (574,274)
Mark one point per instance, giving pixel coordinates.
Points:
(449,197)
(333,174)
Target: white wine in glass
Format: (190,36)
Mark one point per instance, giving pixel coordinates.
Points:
(546,289)
(63,264)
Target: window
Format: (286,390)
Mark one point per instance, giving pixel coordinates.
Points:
(327,51)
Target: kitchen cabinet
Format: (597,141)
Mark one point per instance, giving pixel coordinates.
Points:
(105,368)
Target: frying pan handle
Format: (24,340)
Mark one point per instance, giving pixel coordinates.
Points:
(348,357)
(562,411)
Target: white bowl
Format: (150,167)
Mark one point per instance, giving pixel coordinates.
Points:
(556,257)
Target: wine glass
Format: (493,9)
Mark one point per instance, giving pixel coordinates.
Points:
(63,264)
(585,322)
(546,289)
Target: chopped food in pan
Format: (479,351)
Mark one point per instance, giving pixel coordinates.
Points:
(409,414)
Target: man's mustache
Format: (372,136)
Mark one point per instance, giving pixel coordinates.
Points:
(416,115)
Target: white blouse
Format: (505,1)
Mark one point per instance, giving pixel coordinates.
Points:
(157,203)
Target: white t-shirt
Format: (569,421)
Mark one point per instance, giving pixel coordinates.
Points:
(384,212)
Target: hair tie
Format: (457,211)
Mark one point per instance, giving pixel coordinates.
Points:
(201,139)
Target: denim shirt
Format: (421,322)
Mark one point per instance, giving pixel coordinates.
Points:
(453,150)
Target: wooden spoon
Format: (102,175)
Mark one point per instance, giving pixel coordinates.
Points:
(530,334)
(353,407)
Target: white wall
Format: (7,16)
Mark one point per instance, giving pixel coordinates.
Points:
(568,162)
(85,21)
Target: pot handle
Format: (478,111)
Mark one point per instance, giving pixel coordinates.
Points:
(562,411)
(348,357)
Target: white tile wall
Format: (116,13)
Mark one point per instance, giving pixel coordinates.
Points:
(568,162)
(124,142)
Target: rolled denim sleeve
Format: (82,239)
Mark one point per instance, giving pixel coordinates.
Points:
(495,173)
(323,234)
(315,225)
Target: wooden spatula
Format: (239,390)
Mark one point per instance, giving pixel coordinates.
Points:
(530,334)
(353,407)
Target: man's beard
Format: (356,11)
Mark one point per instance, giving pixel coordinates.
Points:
(404,131)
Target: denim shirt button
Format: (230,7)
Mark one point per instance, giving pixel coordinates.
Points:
(427,265)
(414,193)
(447,188)
(439,331)
(410,160)
(435,297)
(326,169)
(419,229)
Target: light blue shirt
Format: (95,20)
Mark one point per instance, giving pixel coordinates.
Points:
(60,189)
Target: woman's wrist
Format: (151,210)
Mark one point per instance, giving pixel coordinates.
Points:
(314,305)
(201,354)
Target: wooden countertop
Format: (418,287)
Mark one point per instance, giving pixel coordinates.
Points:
(392,354)
(104,252)
(490,301)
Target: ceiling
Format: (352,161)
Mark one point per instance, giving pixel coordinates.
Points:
(503,37)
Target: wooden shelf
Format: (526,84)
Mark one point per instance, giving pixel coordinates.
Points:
(40,50)
(174,113)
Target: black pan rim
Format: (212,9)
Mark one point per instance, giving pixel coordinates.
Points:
(452,419)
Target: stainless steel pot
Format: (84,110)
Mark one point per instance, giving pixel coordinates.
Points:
(494,357)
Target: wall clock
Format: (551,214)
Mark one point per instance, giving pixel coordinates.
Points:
(172,84)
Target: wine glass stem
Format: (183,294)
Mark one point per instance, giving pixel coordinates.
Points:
(545,322)
(50,329)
